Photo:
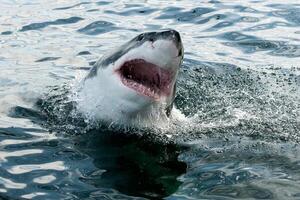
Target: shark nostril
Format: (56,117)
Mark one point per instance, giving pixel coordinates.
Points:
(151,40)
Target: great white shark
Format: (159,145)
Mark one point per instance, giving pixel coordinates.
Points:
(134,84)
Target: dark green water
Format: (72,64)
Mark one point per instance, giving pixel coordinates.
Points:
(238,91)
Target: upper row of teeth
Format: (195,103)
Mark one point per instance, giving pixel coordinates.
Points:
(134,61)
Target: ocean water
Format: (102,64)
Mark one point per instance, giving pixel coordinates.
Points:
(238,89)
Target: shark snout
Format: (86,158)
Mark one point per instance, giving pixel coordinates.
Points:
(173,36)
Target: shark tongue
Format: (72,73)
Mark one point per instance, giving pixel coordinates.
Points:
(146,78)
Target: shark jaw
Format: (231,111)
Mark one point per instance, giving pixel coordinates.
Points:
(146,78)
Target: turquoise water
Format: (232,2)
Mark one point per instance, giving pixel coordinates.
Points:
(238,90)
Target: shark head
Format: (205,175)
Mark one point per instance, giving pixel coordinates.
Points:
(135,82)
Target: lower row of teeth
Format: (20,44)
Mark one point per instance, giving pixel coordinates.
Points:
(145,90)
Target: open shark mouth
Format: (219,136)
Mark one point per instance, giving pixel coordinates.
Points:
(146,78)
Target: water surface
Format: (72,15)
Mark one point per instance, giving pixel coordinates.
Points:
(238,89)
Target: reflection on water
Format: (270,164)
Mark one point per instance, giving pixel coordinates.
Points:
(131,164)
(238,169)
(238,87)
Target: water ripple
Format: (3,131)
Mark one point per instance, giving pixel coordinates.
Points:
(41,25)
(290,14)
(238,87)
(267,26)
(47,59)
(237,36)
(97,27)
(4,155)
(101,3)
(276,48)
(8,184)
(6,32)
(187,16)
(20,169)
(139,11)
(44,179)
(68,7)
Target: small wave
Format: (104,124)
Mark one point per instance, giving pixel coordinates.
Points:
(41,25)
(97,27)
(47,59)
(69,7)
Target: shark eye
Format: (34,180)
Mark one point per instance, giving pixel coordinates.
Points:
(180,52)
(140,37)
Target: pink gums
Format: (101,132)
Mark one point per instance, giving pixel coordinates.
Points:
(146,78)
